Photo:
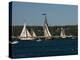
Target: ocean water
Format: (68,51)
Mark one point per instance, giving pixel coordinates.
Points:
(55,47)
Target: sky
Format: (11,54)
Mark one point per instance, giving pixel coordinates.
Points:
(31,14)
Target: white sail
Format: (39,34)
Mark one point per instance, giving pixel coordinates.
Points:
(45,28)
(46,31)
(62,34)
(33,34)
(23,33)
(28,33)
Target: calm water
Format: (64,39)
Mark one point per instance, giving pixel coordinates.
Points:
(53,47)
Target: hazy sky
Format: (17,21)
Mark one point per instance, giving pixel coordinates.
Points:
(31,14)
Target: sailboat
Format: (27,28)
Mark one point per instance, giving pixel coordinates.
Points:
(25,34)
(62,34)
(47,33)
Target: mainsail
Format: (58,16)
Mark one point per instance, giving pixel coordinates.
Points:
(62,34)
(45,28)
(23,33)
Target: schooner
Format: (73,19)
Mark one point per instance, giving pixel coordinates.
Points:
(26,35)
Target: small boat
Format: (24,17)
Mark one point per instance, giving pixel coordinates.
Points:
(71,36)
(38,40)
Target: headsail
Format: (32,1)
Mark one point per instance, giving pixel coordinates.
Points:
(33,33)
(28,33)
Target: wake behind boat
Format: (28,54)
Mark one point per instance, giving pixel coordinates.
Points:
(14,42)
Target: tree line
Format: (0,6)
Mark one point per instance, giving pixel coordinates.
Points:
(54,30)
